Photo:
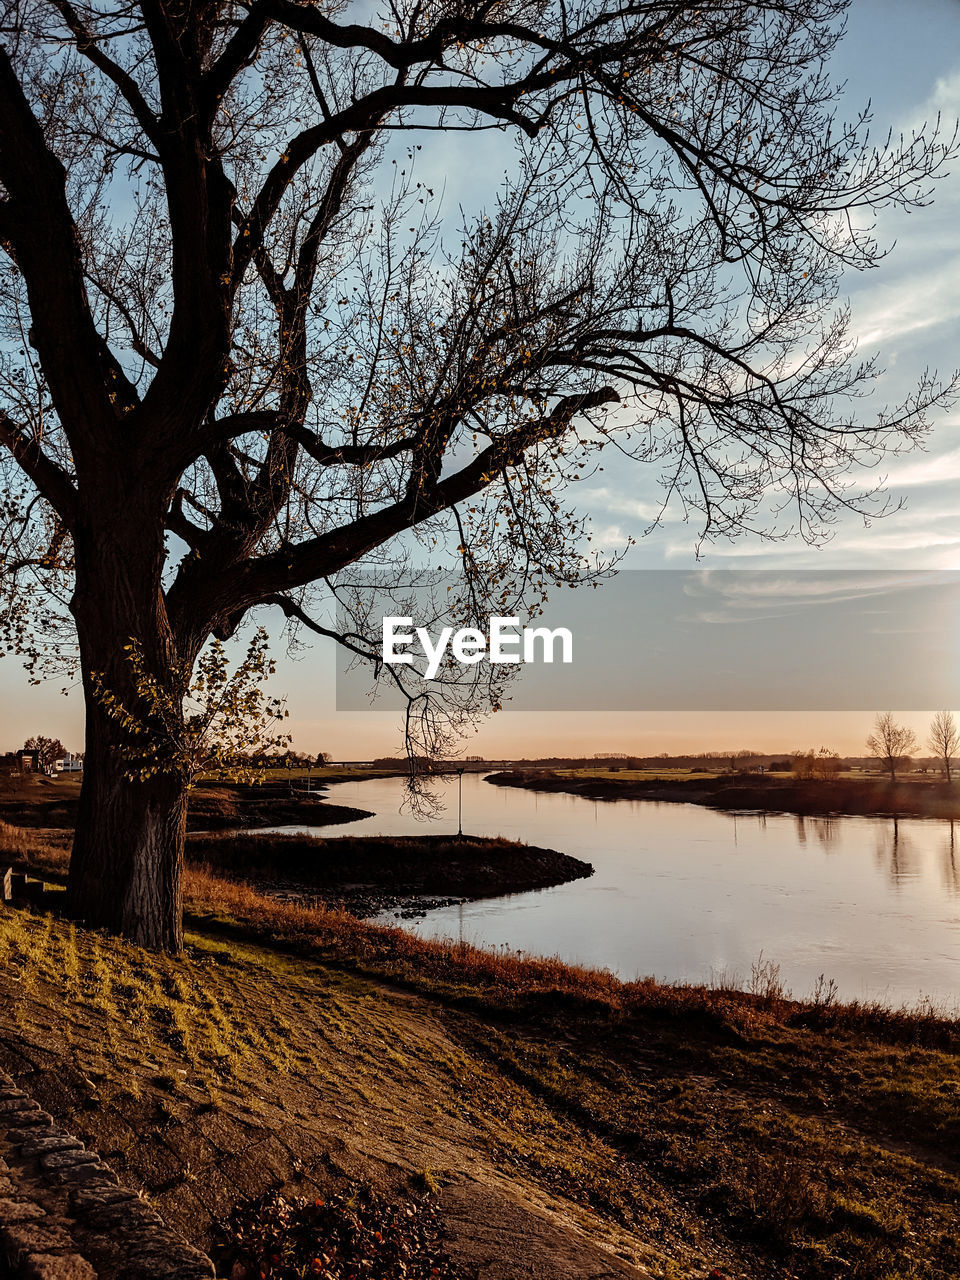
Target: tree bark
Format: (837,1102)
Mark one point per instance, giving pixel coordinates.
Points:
(127,861)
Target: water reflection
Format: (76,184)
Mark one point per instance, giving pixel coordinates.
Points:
(897,852)
(681,891)
(950,862)
(825,831)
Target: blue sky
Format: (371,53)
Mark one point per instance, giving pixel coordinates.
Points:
(906,59)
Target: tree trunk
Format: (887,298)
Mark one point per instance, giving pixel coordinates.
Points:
(127,861)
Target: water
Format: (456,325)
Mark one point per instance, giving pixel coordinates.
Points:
(683,892)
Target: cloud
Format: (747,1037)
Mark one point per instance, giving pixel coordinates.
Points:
(605,499)
(750,596)
(928,468)
(923,300)
(609,537)
(919,290)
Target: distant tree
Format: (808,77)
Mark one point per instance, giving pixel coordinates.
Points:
(323,757)
(48,750)
(944,740)
(815,764)
(891,743)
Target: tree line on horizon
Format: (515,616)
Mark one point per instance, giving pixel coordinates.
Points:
(893,745)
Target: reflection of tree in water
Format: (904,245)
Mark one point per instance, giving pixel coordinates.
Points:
(897,853)
(950,861)
(825,831)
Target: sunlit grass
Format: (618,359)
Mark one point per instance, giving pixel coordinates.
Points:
(214,902)
(812,1130)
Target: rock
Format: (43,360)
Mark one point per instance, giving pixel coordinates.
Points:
(84,1200)
(48,1266)
(123,1215)
(20,1240)
(22,1121)
(12,1211)
(98,1174)
(17,1101)
(47,1143)
(160,1255)
(53,1161)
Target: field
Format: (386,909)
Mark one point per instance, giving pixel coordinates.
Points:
(913,795)
(693,775)
(319,774)
(634,775)
(589,1126)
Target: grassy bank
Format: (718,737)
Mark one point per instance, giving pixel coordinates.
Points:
(774,792)
(589,1126)
(33,800)
(368,873)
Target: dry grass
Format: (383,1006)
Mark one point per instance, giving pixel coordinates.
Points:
(37,850)
(503,976)
(784,1138)
(149,1003)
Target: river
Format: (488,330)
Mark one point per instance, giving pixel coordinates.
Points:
(683,892)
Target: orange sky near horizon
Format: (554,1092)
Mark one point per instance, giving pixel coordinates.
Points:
(361,735)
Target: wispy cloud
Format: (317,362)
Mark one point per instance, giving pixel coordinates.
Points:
(923,301)
(736,596)
(609,537)
(606,499)
(928,468)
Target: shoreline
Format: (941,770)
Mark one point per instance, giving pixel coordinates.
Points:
(42,803)
(803,798)
(740,1133)
(370,875)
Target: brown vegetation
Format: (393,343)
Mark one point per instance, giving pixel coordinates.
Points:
(600,1127)
(354,867)
(33,800)
(866,796)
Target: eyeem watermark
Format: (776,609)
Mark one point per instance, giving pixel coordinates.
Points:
(469,645)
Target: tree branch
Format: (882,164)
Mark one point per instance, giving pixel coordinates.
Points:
(50,479)
(217,592)
(88,383)
(86,44)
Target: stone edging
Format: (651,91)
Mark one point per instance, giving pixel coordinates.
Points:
(63,1214)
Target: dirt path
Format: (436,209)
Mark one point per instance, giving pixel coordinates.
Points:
(324,1077)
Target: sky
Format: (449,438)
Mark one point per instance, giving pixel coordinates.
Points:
(905,58)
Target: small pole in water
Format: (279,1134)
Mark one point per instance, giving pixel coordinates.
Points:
(460,802)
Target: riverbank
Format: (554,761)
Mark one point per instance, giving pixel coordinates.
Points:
(371,874)
(870,797)
(589,1126)
(34,800)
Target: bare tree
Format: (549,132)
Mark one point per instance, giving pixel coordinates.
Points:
(891,742)
(243,352)
(944,740)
